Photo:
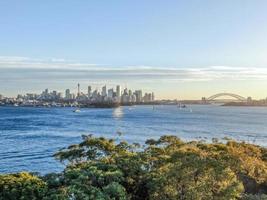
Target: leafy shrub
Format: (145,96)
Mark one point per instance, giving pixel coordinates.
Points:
(21,186)
(166,169)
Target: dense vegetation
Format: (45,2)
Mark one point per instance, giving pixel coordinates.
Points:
(165,169)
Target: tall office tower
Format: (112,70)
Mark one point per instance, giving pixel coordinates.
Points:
(125,91)
(145,97)
(46,91)
(60,95)
(89,93)
(67,94)
(104,91)
(110,93)
(94,94)
(54,93)
(130,92)
(149,97)
(72,96)
(133,98)
(79,92)
(118,91)
(139,95)
(153,96)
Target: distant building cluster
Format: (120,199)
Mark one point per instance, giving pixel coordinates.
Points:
(105,95)
(110,95)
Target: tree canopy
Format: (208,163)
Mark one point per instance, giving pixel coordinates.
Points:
(166,168)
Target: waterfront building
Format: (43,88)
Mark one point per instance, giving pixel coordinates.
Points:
(139,96)
(104,91)
(79,92)
(125,98)
(60,95)
(89,91)
(118,91)
(19,96)
(72,96)
(125,91)
(67,94)
(95,94)
(47,97)
(132,98)
(148,97)
(82,97)
(46,91)
(110,93)
(54,94)
(30,96)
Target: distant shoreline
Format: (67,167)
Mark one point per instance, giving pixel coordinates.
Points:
(85,104)
(246,104)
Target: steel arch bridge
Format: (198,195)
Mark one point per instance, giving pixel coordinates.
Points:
(236,96)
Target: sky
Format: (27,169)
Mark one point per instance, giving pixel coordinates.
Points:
(178,49)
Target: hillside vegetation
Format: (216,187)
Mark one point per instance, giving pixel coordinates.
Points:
(163,169)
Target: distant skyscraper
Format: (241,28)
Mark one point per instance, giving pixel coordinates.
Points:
(149,97)
(139,96)
(67,94)
(110,93)
(54,93)
(60,95)
(94,94)
(118,91)
(89,91)
(79,92)
(104,91)
(125,91)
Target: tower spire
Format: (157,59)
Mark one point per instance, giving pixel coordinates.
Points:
(79,89)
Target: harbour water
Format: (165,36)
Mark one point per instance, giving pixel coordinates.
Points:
(30,136)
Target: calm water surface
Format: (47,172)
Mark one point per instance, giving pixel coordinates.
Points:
(30,136)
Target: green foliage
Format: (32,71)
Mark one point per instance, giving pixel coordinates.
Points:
(182,171)
(254,197)
(193,177)
(166,169)
(22,186)
(94,181)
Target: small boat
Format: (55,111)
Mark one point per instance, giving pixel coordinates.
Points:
(16,105)
(77,110)
(181,106)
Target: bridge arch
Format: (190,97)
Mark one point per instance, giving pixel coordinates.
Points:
(236,96)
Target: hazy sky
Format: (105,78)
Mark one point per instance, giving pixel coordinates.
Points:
(178,49)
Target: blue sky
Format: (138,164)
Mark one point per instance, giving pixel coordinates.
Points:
(179,49)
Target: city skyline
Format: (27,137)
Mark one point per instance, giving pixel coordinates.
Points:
(91,95)
(178,49)
(27,75)
(79,92)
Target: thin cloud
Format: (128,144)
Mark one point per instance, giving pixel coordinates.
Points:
(22,68)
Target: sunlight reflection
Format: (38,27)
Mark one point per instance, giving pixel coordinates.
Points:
(118,112)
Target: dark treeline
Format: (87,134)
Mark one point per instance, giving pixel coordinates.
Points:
(164,169)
